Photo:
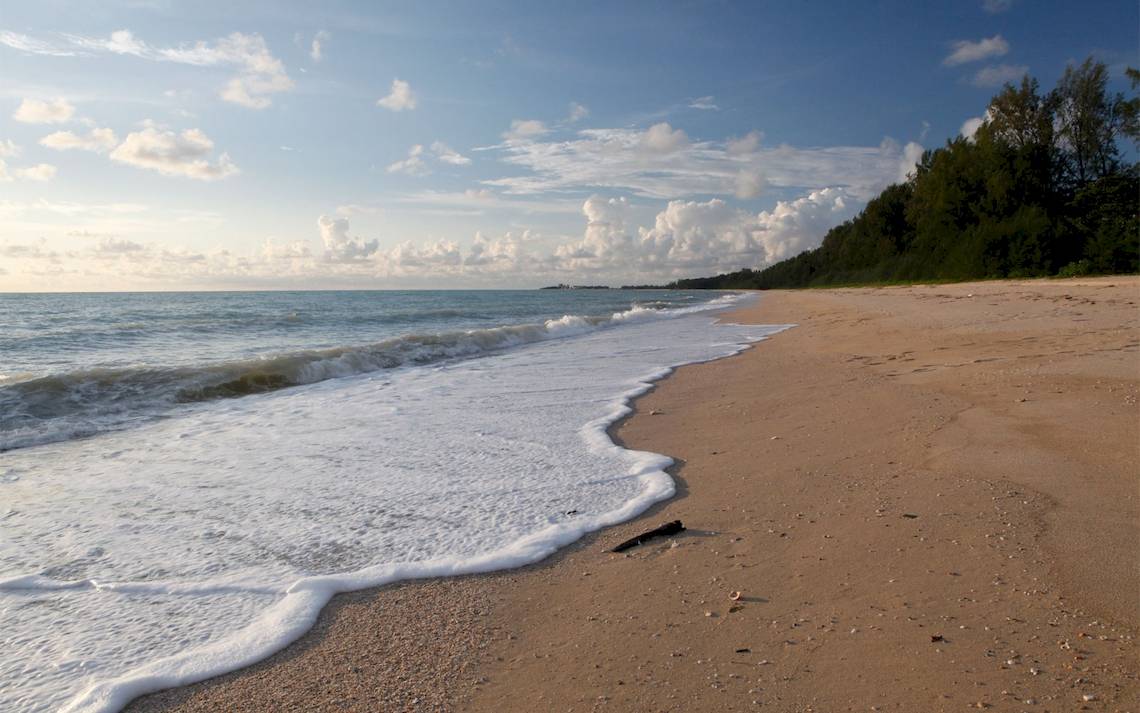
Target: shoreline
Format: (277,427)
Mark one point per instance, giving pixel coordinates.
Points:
(778,497)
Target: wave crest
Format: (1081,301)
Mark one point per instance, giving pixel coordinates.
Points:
(82,403)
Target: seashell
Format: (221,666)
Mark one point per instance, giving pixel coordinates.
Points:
(735,596)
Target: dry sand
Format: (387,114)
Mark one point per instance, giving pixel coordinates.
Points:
(927,496)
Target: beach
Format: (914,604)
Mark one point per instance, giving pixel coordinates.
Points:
(919,498)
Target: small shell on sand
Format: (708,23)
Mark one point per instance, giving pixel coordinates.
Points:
(735,596)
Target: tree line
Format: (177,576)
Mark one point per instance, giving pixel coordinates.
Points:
(1040,189)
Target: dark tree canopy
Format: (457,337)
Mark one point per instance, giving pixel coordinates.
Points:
(1040,189)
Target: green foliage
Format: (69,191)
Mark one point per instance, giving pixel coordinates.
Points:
(1038,190)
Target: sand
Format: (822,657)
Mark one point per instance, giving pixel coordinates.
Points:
(927,498)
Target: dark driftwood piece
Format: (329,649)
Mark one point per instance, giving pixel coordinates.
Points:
(669,528)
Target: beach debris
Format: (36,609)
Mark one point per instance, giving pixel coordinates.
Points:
(1088,697)
(909,515)
(937,638)
(656,412)
(571,512)
(669,528)
(735,596)
(744,651)
(735,608)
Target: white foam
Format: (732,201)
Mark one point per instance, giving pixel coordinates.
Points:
(178,550)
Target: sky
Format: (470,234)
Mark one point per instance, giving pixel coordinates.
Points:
(165,145)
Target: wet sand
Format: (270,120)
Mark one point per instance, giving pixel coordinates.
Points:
(927,498)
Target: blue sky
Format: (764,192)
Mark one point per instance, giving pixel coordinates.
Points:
(168,145)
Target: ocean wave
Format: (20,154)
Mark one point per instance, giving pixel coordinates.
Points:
(58,407)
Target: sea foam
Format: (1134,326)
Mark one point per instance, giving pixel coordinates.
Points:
(200,543)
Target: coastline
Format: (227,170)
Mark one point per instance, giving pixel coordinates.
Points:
(807,456)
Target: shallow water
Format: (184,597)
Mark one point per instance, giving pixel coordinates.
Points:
(208,537)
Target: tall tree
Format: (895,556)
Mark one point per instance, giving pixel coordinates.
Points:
(1021,117)
(1129,109)
(1086,122)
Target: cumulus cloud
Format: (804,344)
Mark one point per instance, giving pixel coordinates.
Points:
(317,47)
(186,154)
(744,145)
(339,245)
(966,51)
(446,154)
(908,156)
(37,111)
(686,238)
(577,112)
(525,130)
(39,172)
(8,149)
(416,163)
(400,98)
(704,104)
(259,73)
(698,237)
(970,126)
(662,138)
(413,165)
(998,74)
(97,140)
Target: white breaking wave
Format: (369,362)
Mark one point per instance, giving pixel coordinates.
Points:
(71,405)
(200,543)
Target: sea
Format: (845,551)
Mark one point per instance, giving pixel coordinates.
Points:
(187,478)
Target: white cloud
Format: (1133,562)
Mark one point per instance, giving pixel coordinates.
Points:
(577,112)
(993,7)
(413,165)
(911,155)
(617,160)
(401,97)
(704,104)
(744,145)
(662,138)
(967,51)
(70,209)
(120,42)
(350,209)
(749,184)
(97,140)
(260,74)
(525,130)
(317,48)
(416,164)
(30,45)
(970,126)
(446,154)
(686,238)
(8,149)
(39,172)
(999,74)
(37,111)
(339,245)
(186,154)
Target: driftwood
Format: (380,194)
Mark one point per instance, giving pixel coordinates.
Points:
(669,528)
